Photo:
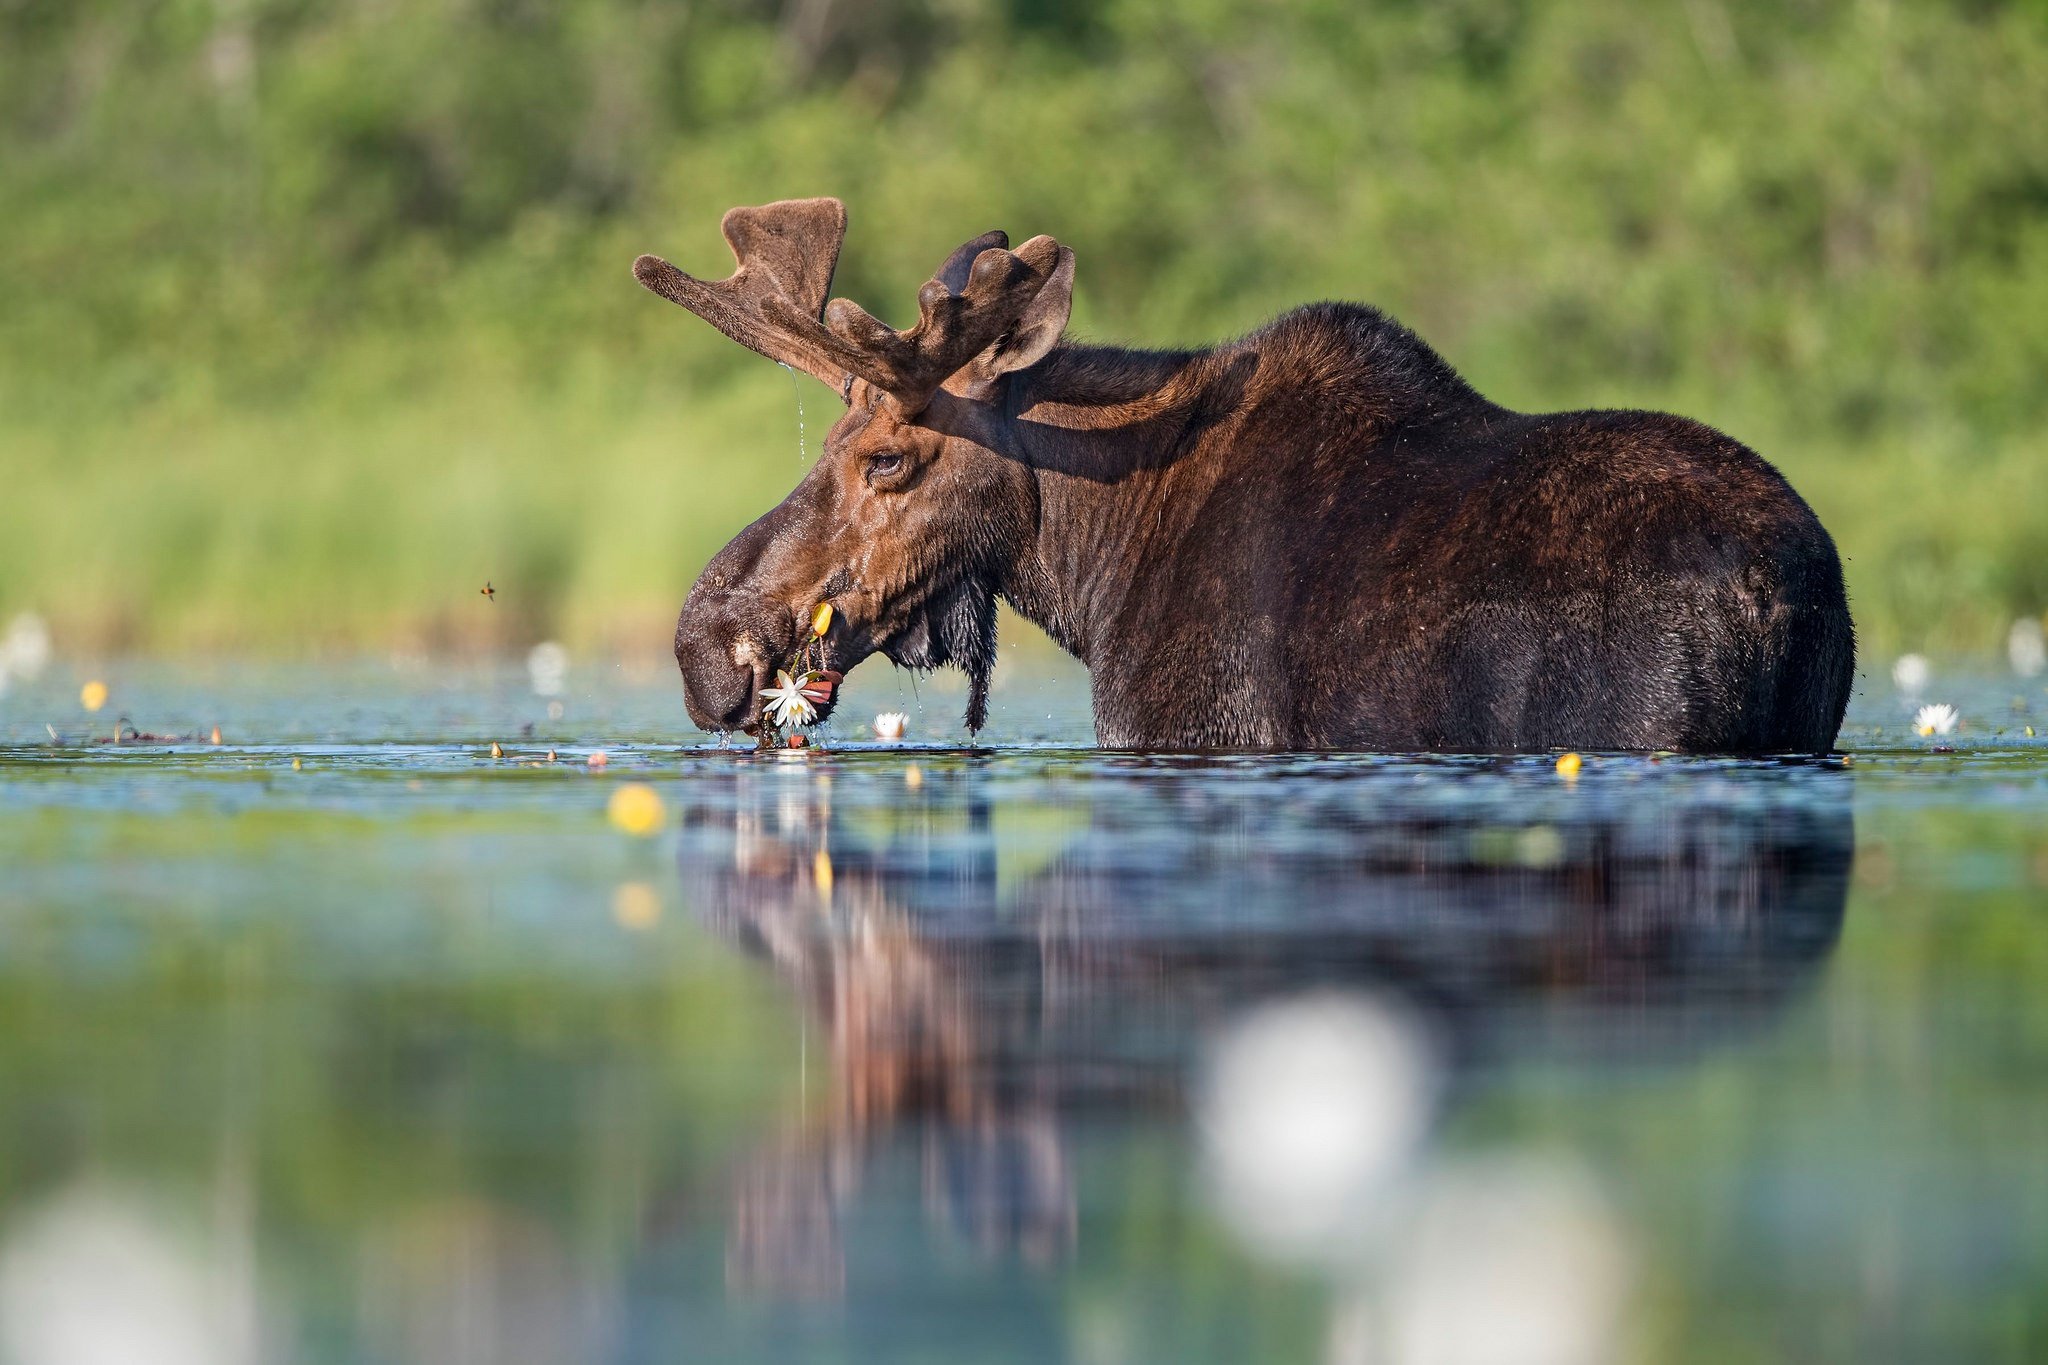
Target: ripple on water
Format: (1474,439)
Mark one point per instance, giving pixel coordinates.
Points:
(891,1049)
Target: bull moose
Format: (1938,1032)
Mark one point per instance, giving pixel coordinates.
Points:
(1315,537)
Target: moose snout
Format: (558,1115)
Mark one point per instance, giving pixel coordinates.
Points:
(726,648)
(718,696)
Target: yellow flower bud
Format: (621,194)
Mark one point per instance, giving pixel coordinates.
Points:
(637,809)
(636,905)
(1568,766)
(821,619)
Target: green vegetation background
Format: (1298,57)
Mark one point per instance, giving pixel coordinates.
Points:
(315,316)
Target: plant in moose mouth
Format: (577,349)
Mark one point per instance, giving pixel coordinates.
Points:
(802,688)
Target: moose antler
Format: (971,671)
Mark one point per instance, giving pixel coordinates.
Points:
(774,303)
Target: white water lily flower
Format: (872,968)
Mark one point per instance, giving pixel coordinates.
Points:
(25,648)
(1910,673)
(547,664)
(1937,719)
(2026,644)
(890,725)
(787,704)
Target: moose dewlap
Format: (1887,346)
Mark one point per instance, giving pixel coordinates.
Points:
(1316,536)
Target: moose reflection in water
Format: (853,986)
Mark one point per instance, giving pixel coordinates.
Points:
(994,959)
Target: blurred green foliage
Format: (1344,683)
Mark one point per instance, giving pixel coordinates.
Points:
(317,312)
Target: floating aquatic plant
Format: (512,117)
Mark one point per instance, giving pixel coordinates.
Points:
(1910,673)
(636,808)
(2026,645)
(547,665)
(803,688)
(786,703)
(25,648)
(1938,719)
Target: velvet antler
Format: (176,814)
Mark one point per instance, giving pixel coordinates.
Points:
(774,303)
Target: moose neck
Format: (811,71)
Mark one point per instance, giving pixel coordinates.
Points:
(1105,433)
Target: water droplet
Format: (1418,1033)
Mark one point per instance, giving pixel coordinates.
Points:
(797,386)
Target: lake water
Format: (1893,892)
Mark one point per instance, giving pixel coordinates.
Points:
(1032,1053)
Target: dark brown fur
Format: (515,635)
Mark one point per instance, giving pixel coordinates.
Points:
(1315,537)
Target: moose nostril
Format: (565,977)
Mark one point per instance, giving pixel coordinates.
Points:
(718,686)
(718,697)
(727,645)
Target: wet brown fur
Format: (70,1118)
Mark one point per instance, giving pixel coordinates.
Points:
(1315,537)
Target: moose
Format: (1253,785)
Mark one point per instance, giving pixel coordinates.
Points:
(1317,536)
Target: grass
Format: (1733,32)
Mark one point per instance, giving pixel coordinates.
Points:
(317,316)
(329,526)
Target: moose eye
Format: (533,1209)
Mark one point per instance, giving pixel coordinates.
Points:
(884,465)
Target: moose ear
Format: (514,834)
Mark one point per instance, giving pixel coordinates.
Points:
(1035,333)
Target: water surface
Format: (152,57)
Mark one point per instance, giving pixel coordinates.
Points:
(1030,1052)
